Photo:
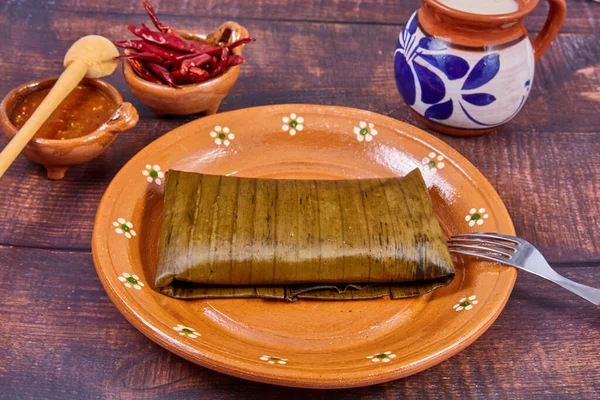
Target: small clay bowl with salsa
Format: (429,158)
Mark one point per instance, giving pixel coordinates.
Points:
(80,129)
(204,97)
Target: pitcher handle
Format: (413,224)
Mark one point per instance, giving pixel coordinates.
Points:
(556,17)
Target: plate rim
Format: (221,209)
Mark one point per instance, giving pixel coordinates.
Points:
(193,355)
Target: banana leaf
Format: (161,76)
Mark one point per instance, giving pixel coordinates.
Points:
(225,236)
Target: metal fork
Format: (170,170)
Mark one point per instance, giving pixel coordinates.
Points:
(520,254)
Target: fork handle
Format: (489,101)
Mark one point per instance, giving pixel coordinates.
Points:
(589,293)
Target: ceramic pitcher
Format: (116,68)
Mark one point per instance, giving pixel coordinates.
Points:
(466,74)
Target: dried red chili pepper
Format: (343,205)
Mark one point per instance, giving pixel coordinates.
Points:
(178,77)
(222,64)
(198,71)
(199,47)
(213,52)
(162,73)
(169,40)
(166,57)
(224,59)
(195,62)
(190,77)
(186,56)
(235,59)
(160,26)
(151,57)
(164,39)
(142,72)
(240,42)
(144,46)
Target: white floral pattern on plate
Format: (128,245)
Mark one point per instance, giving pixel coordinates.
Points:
(433,162)
(292,124)
(131,281)
(466,303)
(186,331)
(274,360)
(385,357)
(123,227)
(365,131)
(222,135)
(153,174)
(476,216)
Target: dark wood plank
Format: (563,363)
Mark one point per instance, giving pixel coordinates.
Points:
(63,338)
(541,163)
(581,16)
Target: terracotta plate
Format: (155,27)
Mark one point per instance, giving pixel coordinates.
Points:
(308,343)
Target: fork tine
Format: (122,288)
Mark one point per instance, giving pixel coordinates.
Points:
(488,235)
(480,255)
(459,246)
(455,240)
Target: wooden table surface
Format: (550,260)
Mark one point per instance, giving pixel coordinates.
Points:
(60,335)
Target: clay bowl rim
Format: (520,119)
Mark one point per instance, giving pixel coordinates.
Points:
(215,81)
(522,11)
(39,84)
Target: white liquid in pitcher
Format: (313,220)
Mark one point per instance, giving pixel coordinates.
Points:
(487,7)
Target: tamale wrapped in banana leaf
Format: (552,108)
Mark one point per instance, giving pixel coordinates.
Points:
(287,239)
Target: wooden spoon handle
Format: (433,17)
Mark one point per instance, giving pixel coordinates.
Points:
(67,81)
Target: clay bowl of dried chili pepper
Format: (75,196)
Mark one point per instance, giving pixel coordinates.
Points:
(169,92)
(80,129)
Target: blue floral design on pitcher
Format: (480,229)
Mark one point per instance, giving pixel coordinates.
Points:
(433,52)
(527,88)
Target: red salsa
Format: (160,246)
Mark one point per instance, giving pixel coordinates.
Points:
(84,110)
